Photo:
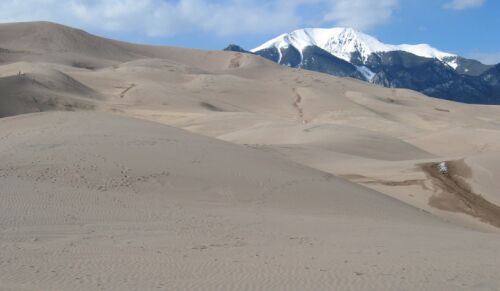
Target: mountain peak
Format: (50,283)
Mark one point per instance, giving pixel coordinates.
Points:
(343,42)
(235,48)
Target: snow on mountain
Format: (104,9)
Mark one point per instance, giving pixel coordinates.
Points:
(343,42)
(367,73)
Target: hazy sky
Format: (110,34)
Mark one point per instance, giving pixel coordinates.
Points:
(467,27)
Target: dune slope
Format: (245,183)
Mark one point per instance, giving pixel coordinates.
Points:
(94,201)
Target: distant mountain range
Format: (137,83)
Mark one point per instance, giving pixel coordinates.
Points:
(346,52)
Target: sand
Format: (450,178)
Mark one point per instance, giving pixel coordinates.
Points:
(132,167)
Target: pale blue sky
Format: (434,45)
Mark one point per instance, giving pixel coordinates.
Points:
(468,27)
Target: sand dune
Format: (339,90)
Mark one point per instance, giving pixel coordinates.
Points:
(36,87)
(132,167)
(101,153)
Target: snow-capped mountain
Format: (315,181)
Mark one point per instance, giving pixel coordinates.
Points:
(346,43)
(346,52)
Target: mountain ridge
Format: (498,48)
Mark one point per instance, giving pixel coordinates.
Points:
(343,41)
(346,52)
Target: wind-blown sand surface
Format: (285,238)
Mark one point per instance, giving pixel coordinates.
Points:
(128,167)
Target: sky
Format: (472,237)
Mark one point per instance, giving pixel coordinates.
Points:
(470,28)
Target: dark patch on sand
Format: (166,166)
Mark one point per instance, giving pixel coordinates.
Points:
(82,65)
(456,195)
(235,62)
(451,191)
(211,107)
(124,92)
(441,109)
(297,104)
(370,180)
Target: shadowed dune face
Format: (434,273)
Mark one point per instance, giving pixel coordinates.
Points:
(30,88)
(185,169)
